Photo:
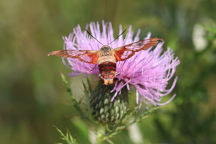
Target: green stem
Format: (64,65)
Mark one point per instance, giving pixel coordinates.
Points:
(74,101)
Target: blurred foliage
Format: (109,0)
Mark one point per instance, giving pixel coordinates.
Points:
(33,99)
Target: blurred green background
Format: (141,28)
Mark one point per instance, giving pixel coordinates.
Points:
(33,99)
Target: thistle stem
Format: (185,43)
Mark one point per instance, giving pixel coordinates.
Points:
(74,101)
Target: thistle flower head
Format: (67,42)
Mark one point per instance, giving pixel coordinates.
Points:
(149,71)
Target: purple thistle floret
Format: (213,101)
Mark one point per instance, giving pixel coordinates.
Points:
(149,71)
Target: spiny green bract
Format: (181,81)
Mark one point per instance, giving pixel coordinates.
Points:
(107,111)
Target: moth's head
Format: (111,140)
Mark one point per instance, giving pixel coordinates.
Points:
(106,48)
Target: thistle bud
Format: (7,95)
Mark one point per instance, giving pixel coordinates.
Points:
(104,109)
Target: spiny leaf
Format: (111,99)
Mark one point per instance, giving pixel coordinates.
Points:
(89,85)
(67,137)
(67,87)
(74,101)
(86,95)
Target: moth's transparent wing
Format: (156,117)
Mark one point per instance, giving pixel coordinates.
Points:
(87,56)
(127,51)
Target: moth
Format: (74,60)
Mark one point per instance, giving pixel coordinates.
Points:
(106,57)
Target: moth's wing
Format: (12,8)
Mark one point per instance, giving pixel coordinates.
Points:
(127,51)
(87,56)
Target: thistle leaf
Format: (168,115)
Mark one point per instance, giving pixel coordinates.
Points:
(67,137)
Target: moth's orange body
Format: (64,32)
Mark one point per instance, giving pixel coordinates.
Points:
(106,57)
(107,64)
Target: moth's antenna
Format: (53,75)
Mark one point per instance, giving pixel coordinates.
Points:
(93,37)
(118,36)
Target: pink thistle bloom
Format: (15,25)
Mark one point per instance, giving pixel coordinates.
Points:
(149,71)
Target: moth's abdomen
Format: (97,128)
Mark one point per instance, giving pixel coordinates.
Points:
(107,72)
(107,67)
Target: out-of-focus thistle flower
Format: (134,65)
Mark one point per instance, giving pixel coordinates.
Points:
(149,71)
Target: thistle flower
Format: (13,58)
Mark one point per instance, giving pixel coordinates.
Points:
(149,71)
